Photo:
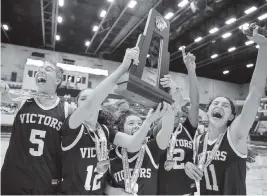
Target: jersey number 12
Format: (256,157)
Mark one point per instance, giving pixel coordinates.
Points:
(96,185)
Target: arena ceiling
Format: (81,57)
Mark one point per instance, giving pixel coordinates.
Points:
(34,23)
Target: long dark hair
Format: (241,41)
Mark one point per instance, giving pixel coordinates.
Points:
(118,124)
(233,109)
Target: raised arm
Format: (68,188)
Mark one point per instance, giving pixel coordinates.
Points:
(189,60)
(165,133)
(242,124)
(134,142)
(99,94)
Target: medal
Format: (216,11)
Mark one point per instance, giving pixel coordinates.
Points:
(101,150)
(102,166)
(134,189)
(130,181)
(169,163)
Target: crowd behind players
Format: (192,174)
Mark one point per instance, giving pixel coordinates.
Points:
(103,148)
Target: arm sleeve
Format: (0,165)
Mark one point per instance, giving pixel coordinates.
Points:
(189,127)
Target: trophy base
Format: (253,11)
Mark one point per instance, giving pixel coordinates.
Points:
(139,91)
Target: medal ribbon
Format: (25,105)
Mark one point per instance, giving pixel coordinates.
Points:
(129,182)
(100,143)
(203,163)
(173,141)
(23,94)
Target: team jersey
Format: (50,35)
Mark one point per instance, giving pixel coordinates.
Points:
(33,156)
(175,181)
(147,181)
(79,161)
(226,174)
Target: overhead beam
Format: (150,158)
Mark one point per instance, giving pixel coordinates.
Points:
(208,38)
(49,13)
(100,25)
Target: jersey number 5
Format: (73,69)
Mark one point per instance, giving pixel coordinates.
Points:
(40,142)
(96,185)
(214,185)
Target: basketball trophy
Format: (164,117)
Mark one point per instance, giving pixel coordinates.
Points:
(141,84)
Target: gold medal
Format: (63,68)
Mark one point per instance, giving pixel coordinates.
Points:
(102,166)
(134,189)
(168,165)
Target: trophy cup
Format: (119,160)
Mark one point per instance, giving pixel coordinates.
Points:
(141,84)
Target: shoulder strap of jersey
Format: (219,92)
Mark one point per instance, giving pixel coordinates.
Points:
(151,157)
(77,139)
(183,128)
(66,109)
(233,146)
(105,127)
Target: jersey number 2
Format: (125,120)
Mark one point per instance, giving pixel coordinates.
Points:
(96,185)
(40,142)
(179,158)
(214,185)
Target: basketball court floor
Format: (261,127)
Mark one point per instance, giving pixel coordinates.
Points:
(256,175)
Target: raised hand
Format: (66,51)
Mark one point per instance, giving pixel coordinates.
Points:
(131,56)
(167,82)
(189,60)
(154,115)
(256,37)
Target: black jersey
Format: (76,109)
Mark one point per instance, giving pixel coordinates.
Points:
(147,181)
(175,181)
(226,174)
(33,156)
(79,161)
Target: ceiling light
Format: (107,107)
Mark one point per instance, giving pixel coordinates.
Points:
(213,30)
(95,28)
(181,48)
(250,65)
(249,42)
(244,26)
(262,16)
(258,46)
(5,26)
(87,43)
(59,19)
(148,55)
(61,3)
(132,4)
(169,15)
(214,56)
(232,49)
(252,9)
(230,21)
(103,13)
(226,35)
(198,39)
(226,72)
(57,37)
(183,3)
(110,1)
